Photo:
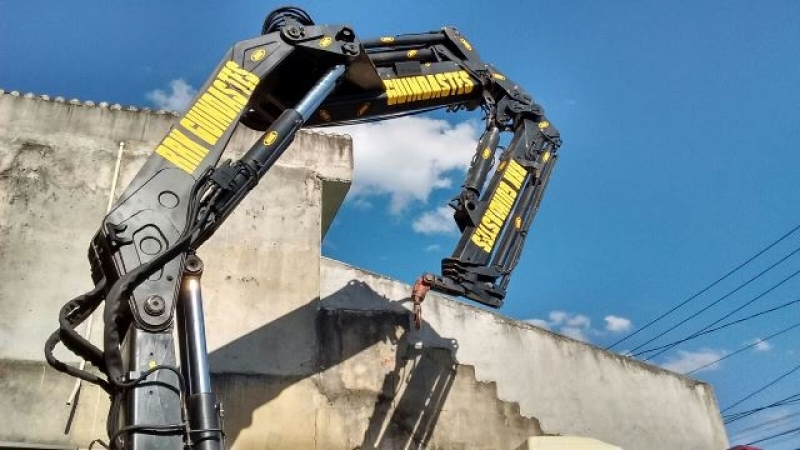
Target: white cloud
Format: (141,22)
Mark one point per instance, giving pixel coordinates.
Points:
(433,248)
(616,324)
(578,321)
(575,333)
(362,204)
(177,99)
(686,360)
(576,326)
(408,157)
(539,323)
(438,221)
(761,345)
(579,326)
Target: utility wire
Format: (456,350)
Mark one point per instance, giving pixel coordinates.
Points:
(766,339)
(717,301)
(730,418)
(762,427)
(707,327)
(775,286)
(712,330)
(761,389)
(769,438)
(702,291)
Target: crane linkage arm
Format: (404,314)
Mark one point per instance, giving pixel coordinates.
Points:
(298,74)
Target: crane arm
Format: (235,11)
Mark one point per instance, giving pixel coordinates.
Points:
(296,74)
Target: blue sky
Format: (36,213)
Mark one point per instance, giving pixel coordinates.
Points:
(680,122)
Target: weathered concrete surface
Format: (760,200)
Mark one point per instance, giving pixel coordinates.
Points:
(56,167)
(305,353)
(570,387)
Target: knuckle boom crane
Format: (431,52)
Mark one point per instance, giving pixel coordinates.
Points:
(296,74)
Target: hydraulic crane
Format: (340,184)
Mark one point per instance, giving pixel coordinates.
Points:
(296,74)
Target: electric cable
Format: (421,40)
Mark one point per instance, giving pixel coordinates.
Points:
(769,438)
(703,290)
(713,330)
(780,283)
(730,418)
(761,389)
(766,339)
(762,427)
(717,301)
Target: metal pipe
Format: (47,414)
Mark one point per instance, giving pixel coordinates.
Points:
(421,55)
(193,342)
(431,38)
(201,404)
(319,92)
(197,357)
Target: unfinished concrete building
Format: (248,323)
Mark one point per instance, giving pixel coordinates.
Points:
(306,352)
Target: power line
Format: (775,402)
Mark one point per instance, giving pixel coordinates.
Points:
(712,330)
(769,438)
(759,425)
(762,427)
(717,301)
(759,390)
(775,286)
(702,291)
(730,418)
(757,297)
(766,339)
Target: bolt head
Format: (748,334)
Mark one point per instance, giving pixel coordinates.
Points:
(154,305)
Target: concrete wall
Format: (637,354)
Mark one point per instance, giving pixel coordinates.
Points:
(305,352)
(569,387)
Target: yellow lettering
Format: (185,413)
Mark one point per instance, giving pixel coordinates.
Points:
(175,158)
(232,94)
(401,90)
(492,221)
(228,76)
(440,77)
(497,212)
(202,121)
(221,118)
(188,143)
(482,240)
(467,80)
(391,93)
(177,148)
(505,198)
(425,87)
(450,80)
(209,117)
(209,99)
(198,131)
(224,99)
(414,86)
(515,174)
(458,81)
(436,89)
(213,116)
(248,78)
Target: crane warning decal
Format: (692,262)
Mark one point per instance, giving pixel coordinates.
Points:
(209,117)
(425,87)
(499,207)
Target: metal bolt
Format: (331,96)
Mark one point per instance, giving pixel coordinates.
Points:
(194,265)
(154,305)
(293,32)
(350,49)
